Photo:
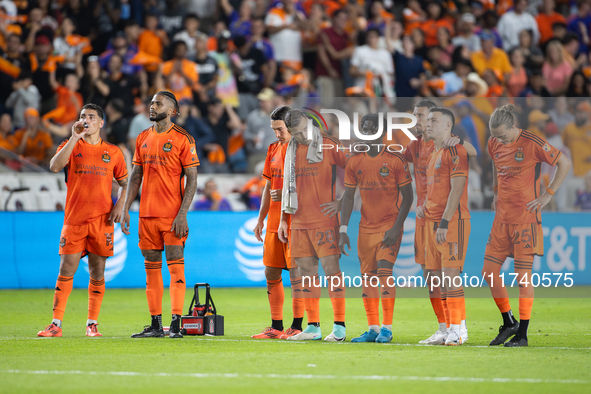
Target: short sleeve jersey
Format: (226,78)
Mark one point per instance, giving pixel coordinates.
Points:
(518,166)
(444,165)
(273,172)
(417,152)
(164,158)
(315,183)
(379,180)
(89,176)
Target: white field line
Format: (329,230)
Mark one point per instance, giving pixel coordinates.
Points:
(299,376)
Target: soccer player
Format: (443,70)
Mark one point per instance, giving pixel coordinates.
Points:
(517,229)
(418,152)
(310,173)
(447,223)
(277,256)
(381,176)
(164,155)
(89,164)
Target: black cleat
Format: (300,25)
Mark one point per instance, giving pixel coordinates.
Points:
(516,341)
(505,332)
(172,334)
(149,332)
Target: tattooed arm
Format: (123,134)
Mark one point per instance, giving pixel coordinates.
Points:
(180,226)
(137,174)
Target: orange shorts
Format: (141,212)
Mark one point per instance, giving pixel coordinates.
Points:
(515,240)
(154,233)
(370,251)
(420,246)
(452,253)
(315,242)
(94,237)
(276,253)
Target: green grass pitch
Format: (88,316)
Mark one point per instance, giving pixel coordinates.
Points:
(557,359)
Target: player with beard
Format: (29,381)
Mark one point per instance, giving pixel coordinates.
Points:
(164,155)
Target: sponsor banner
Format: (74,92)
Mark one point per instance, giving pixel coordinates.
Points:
(223,251)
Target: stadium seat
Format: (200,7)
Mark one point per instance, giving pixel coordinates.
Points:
(20,201)
(51,200)
(40,182)
(9,181)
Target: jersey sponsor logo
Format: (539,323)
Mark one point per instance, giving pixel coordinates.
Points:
(519,156)
(167,147)
(359,172)
(79,155)
(438,164)
(144,146)
(527,246)
(547,148)
(452,258)
(248,251)
(106,158)
(455,159)
(384,171)
(333,246)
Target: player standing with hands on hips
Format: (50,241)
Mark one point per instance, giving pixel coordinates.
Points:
(89,213)
(165,153)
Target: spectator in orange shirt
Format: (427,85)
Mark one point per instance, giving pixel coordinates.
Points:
(179,73)
(152,40)
(6,141)
(69,101)
(32,142)
(546,20)
(435,21)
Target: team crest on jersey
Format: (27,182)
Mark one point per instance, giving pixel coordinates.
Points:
(438,164)
(106,158)
(384,171)
(547,148)
(519,156)
(455,159)
(167,147)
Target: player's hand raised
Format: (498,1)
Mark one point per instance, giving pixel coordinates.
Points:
(258,230)
(282,232)
(276,194)
(441,236)
(344,240)
(539,203)
(124,221)
(79,129)
(180,228)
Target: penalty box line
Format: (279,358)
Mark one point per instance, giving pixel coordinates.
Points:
(299,376)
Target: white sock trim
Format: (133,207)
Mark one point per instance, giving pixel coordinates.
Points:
(374,328)
(89,322)
(57,322)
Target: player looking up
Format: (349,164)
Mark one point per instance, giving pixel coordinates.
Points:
(381,177)
(517,229)
(89,164)
(164,155)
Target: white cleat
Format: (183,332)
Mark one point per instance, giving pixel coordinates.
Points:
(464,334)
(453,338)
(311,333)
(338,334)
(436,339)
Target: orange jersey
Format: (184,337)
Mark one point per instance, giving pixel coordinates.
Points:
(177,83)
(164,157)
(89,175)
(315,183)
(273,172)
(445,164)
(64,100)
(417,152)
(518,175)
(35,147)
(379,179)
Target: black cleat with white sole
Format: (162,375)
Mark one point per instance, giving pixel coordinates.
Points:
(149,332)
(516,341)
(505,332)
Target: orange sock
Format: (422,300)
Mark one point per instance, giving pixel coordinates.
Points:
(276,298)
(525,307)
(436,304)
(371,302)
(178,287)
(503,304)
(337,296)
(63,288)
(464,310)
(311,291)
(388,294)
(297,302)
(455,301)
(96,291)
(154,286)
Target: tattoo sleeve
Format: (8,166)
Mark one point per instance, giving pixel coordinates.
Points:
(133,188)
(190,190)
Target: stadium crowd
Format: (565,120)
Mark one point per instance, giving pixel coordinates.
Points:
(231,62)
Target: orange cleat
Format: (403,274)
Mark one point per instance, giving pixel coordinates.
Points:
(91,331)
(50,331)
(290,332)
(268,333)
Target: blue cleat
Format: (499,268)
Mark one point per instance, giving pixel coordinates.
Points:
(385,335)
(368,336)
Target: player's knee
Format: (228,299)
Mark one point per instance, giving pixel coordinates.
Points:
(174,252)
(152,255)
(272,273)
